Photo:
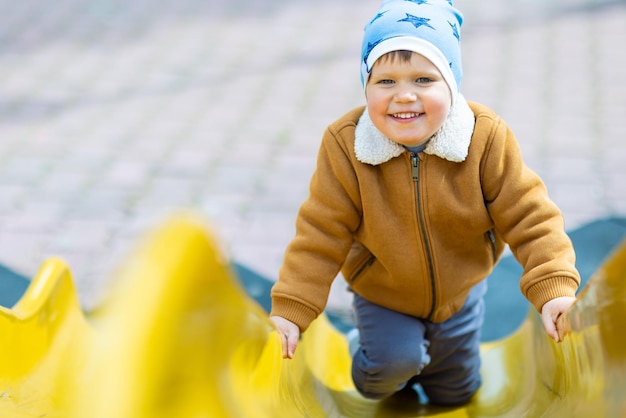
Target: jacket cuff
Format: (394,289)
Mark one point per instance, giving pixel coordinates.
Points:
(294,311)
(548,289)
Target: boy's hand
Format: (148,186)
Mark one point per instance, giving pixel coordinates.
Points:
(289,335)
(551,311)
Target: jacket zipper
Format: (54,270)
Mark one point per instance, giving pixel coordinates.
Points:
(415,170)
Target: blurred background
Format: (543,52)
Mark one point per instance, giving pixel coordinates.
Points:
(115,113)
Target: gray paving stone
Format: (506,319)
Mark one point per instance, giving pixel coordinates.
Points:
(115,114)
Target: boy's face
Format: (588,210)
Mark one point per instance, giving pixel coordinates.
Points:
(407,101)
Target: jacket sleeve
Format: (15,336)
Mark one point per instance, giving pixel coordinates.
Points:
(324,229)
(531,224)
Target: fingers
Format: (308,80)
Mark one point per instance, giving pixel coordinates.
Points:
(550,314)
(284,343)
(563,326)
(289,336)
(291,342)
(549,324)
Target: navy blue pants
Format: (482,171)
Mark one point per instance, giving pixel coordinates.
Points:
(393,348)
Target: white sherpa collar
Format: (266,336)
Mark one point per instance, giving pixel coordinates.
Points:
(451,142)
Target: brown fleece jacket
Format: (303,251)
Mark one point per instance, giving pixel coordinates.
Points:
(414,233)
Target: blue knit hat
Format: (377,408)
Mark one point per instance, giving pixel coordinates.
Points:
(429,27)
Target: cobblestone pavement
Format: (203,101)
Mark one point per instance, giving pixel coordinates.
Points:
(115,113)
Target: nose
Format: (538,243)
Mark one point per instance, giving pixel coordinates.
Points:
(406,95)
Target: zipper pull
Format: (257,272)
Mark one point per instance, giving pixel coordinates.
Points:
(415,167)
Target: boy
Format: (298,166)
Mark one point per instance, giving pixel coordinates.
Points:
(413,199)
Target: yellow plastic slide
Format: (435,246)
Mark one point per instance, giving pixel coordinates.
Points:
(180,338)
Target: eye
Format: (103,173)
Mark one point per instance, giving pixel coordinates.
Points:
(423,80)
(385,81)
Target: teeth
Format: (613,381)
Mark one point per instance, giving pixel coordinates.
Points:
(405,115)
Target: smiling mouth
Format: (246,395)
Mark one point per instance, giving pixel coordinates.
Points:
(405,115)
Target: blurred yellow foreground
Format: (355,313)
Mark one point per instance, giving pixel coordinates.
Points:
(180,338)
